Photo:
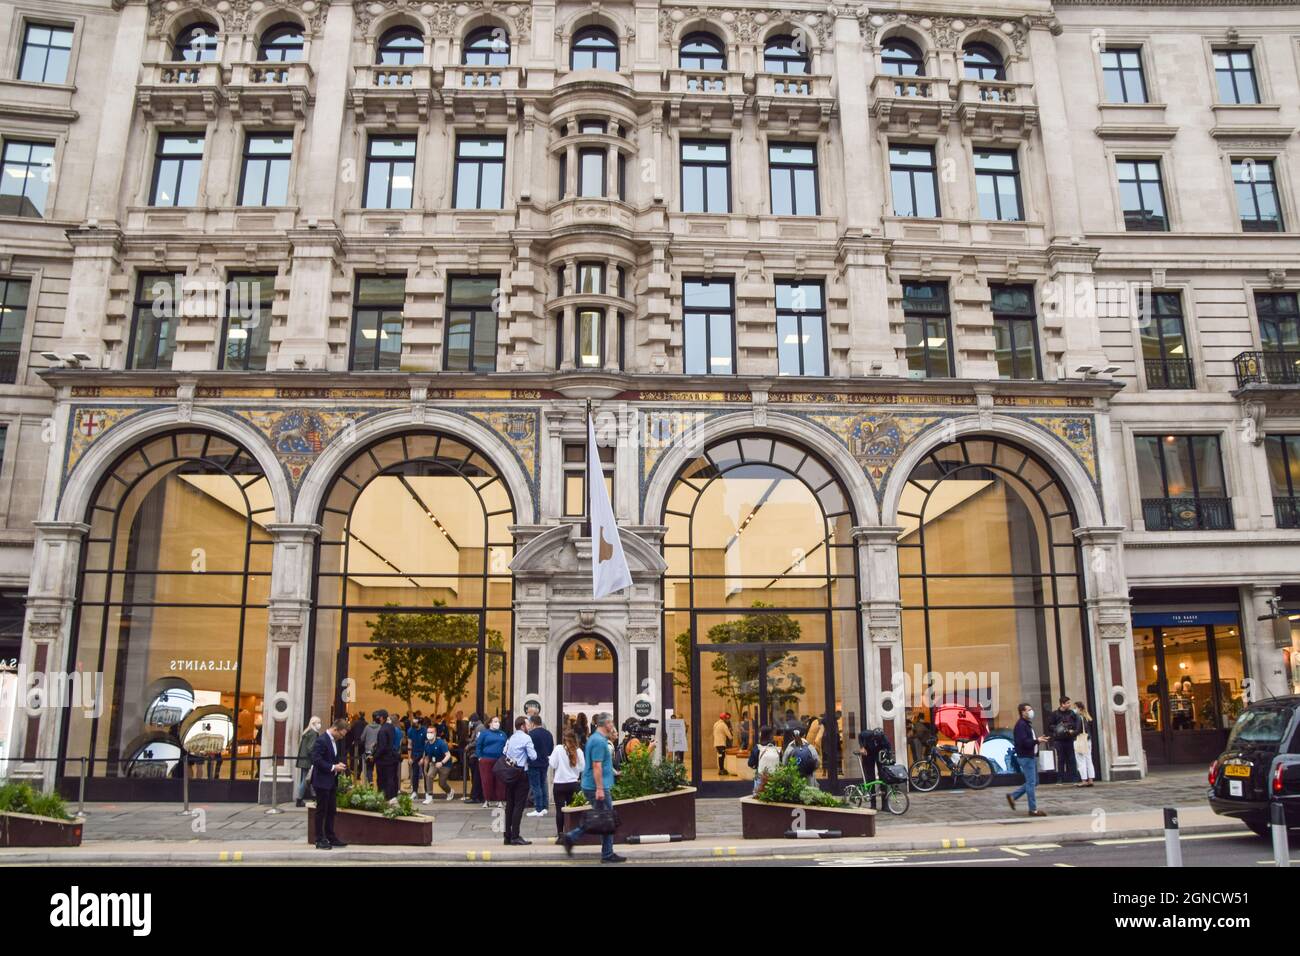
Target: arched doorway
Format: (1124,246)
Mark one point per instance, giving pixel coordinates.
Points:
(588,681)
(170,623)
(993,603)
(413,585)
(761,623)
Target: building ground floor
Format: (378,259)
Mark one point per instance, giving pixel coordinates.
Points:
(216,564)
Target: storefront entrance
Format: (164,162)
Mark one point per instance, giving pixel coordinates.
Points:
(588,684)
(1181,659)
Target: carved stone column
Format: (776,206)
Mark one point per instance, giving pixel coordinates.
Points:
(36,719)
(882,632)
(285,680)
(1112,661)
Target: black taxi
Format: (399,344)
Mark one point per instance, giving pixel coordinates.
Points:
(1261,765)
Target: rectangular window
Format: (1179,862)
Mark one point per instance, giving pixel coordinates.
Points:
(1015,331)
(13,322)
(1279,321)
(1165,353)
(472,324)
(246,335)
(1283,452)
(377,322)
(265,179)
(1257,202)
(564,175)
(1234,73)
(926,324)
(154,317)
(707,327)
(390,172)
(575,476)
(1121,70)
(177,164)
(1182,483)
(480,172)
(997,184)
(1141,195)
(591,278)
(793,175)
(46,53)
(800,328)
(591,172)
(706,177)
(913,180)
(590,348)
(25,178)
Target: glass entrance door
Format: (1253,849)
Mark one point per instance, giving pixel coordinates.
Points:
(1190,690)
(588,683)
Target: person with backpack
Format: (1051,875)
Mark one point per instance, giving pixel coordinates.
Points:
(1063,727)
(804,755)
(765,757)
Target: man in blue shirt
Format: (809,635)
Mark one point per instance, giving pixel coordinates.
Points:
(415,734)
(437,757)
(597,782)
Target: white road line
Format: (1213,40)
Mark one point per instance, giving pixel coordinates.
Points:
(1160,839)
(1013,851)
(996,859)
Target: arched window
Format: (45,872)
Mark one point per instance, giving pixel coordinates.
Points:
(487,46)
(993,598)
(702,51)
(197,43)
(282,43)
(785,54)
(981,61)
(760,619)
(433,600)
(901,57)
(171,610)
(594,48)
(400,46)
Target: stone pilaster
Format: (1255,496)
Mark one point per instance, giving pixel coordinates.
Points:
(882,632)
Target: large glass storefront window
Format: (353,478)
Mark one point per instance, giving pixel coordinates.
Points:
(413,586)
(171,617)
(992,596)
(760,606)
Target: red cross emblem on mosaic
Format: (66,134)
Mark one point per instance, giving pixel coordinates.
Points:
(90,424)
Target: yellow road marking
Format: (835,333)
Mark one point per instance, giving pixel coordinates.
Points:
(949,844)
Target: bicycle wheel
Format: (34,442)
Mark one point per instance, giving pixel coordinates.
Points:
(924,775)
(854,797)
(976,772)
(897,801)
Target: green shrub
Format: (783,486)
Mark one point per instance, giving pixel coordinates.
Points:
(786,784)
(352,795)
(641,776)
(22,798)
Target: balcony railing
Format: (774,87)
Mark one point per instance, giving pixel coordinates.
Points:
(808,85)
(1187,514)
(996,92)
(1169,373)
(467,77)
(1268,368)
(8,366)
(910,87)
(715,82)
(1286,512)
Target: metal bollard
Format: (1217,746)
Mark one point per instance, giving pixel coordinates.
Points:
(275,779)
(185,785)
(81,790)
(1173,849)
(1277,821)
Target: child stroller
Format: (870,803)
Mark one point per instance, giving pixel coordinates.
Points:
(881,776)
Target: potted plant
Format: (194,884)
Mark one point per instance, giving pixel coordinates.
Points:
(788,802)
(366,818)
(31,818)
(652,799)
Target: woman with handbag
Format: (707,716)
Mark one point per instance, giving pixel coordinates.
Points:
(511,770)
(568,763)
(303,763)
(1083,747)
(490,746)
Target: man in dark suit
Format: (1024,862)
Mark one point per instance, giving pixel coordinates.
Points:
(326,764)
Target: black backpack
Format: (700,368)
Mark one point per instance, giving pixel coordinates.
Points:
(804,759)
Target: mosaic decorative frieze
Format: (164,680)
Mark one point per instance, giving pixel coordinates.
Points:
(1076,434)
(517,427)
(88,425)
(297,436)
(876,440)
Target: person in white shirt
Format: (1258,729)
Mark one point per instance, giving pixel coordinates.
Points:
(769,757)
(568,762)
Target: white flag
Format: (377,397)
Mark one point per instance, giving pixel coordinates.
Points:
(609,571)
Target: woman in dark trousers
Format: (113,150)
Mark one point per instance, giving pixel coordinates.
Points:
(470,750)
(568,763)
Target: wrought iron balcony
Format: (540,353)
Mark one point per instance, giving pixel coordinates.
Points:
(1280,367)
(1187,514)
(1286,512)
(1169,373)
(8,366)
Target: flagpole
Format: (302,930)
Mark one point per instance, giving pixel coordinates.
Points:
(586,499)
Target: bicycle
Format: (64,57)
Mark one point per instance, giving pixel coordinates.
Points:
(973,770)
(891,791)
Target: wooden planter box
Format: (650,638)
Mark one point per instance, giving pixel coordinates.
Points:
(770,821)
(670,813)
(363,828)
(24,829)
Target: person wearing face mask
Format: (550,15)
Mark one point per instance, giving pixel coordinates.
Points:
(490,746)
(437,765)
(305,743)
(1027,760)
